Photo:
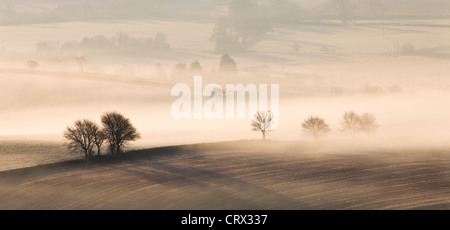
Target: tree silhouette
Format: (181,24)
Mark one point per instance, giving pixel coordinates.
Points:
(248,20)
(227,64)
(315,127)
(33,65)
(196,67)
(81,136)
(367,124)
(160,42)
(118,130)
(81,62)
(262,122)
(346,10)
(350,123)
(99,139)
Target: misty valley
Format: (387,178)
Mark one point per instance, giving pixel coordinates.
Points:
(224,105)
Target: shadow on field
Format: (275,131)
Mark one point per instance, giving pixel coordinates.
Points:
(218,189)
(150,153)
(247,175)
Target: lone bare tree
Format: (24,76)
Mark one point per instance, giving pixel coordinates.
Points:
(33,65)
(315,127)
(118,131)
(81,136)
(346,10)
(367,124)
(196,67)
(350,123)
(262,122)
(81,62)
(245,25)
(227,64)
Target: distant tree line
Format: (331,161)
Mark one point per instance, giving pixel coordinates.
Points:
(16,13)
(227,65)
(248,21)
(315,127)
(119,43)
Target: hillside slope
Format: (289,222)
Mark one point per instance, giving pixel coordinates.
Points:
(238,175)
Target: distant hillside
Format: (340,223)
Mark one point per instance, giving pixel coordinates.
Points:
(32,11)
(390,8)
(418,7)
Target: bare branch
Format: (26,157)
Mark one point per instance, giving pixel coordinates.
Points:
(315,127)
(118,131)
(262,122)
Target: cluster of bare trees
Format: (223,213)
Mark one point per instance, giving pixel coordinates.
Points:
(353,123)
(315,127)
(346,10)
(85,135)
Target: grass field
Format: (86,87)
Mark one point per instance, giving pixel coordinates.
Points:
(239,175)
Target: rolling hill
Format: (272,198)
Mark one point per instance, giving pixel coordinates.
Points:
(239,175)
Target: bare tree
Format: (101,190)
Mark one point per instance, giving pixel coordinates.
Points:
(350,123)
(227,64)
(246,24)
(315,127)
(81,62)
(33,65)
(346,10)
(81,136)
(367,124)
(118,130)
(248,20)
(196,67)
(160,42)
(99,139)
(262,122)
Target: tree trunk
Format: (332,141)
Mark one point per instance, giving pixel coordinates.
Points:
(264,135)
(86,153)
(112,149)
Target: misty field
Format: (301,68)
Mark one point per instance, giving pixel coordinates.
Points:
(15,154)
(240,175)
(76,60)
(406,92)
